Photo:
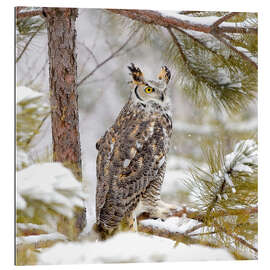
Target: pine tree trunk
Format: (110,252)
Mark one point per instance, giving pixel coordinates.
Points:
(63,90)
(64,100)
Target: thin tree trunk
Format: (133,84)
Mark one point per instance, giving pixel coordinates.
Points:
(63,90)
(64,100)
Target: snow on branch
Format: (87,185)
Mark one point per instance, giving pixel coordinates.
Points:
(24,94)
(24,12)
(221,188)
(243,160)
(174,19)
(38,241)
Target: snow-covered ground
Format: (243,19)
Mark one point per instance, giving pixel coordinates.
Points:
(129,247)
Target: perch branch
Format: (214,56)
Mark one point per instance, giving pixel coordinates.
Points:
(187,237)
(175,236)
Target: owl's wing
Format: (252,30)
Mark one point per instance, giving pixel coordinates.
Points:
(128,158)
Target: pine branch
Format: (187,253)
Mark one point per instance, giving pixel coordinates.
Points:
(24,14)
(156,18)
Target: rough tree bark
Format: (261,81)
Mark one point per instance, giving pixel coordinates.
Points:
(63,91)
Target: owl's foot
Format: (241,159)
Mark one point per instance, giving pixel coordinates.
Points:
(163,210)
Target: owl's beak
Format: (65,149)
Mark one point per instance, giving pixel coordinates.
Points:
(162,97)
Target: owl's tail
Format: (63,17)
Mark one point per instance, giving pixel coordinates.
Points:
(96,232)
(103,233)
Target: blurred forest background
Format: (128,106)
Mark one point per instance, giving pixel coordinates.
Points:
(212,163)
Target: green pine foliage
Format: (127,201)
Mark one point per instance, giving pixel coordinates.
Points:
(226,196)
(215,77)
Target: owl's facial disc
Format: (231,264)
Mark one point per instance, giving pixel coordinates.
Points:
(145,93)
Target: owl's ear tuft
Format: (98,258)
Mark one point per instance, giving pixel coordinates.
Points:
(164,74)
(136,74)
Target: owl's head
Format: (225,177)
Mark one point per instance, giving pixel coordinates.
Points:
(147,90)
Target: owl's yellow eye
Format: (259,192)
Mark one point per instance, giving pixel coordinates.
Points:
(148,90)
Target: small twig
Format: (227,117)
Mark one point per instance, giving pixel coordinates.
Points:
(214,201)
(228,37)
(186,12)
(29,41)
(37,75)
(89,51)
(194,228)
(204,233)
(240,30)
(108,58)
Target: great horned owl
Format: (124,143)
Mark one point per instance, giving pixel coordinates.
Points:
(131,158)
